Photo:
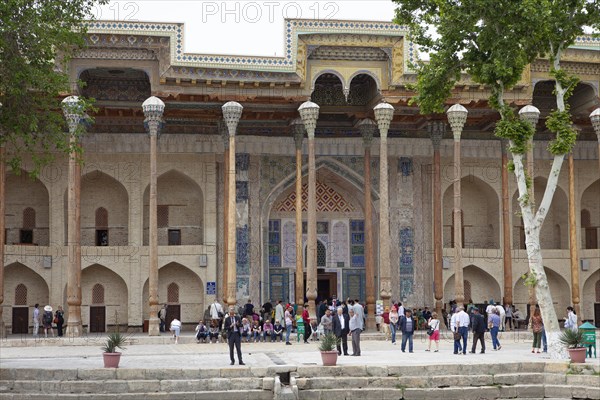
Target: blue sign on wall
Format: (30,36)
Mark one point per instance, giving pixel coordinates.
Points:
(211,288)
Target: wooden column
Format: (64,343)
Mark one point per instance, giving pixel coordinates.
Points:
(368,128)
(311,261)
(385,274)
(573,243)
(2,234)
(506,243)
(299,130)
(153,109)
(74,326)
(153,327)
(436,131)
(459,288)
(232,112)
(225,134)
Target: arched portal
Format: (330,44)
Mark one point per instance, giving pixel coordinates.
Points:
(28,288)
(559,288)
(483,286)
(183,292)
(590,298)
(104,299)
(340,238)
(590,216)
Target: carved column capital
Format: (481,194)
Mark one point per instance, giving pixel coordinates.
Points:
(299,131)
(436,130)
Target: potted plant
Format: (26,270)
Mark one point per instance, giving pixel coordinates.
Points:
(327,346)
(113,342)
(573,340)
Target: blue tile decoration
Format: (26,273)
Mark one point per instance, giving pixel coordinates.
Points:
(405,166)
(242,161)
(243,250)
(406,261)
(279,285)
(241,191)
(274,243)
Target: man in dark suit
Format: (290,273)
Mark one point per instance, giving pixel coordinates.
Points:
(479,327)
(233,327)
(341,327)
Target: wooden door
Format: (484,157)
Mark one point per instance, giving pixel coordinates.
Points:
(97,319)
(20,320)
(173,311)
(591,238)
(597,314)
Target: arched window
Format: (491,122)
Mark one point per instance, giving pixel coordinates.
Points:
(321,255)
(98,294)
(21,295)
(173,293)
(585,218)
(28,218)
(26,233)
(467,290)
(101,226)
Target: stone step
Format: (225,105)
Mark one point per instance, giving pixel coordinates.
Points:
(200,395)
(134,386)
(453,393)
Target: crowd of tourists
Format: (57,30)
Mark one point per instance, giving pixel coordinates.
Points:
(48,320)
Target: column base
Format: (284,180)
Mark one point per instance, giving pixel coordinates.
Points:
(73,330)
(2,330)
(154,327)
(371,323)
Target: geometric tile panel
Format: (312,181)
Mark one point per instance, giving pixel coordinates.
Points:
(328,200)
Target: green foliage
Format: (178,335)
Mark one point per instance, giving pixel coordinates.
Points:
(571,338)
(514,129)
(113,342)
(560,123)
(511,166)
(489,40)
(328,342)
(37,38)
(529,279)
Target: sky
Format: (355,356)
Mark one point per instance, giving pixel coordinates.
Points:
(240,27)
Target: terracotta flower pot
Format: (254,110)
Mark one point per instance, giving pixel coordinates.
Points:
(577,354)
(329,358)
(111,360)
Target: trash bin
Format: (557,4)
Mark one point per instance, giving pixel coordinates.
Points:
(589,338)
(299,327)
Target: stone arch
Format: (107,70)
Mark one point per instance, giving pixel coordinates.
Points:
(590,204)
(19,275)
(182,199)
(100,190)
(26,193)
(332,170)
(483,285)
(325,72)
(191,291)
(481,214)
(559,288)
(364,88)
(554,234)
(590,294)
(110,288)
(329,88)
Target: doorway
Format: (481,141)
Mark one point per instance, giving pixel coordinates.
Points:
(97,319)
(326,285)
(20,320)
(597,314)
(173,311)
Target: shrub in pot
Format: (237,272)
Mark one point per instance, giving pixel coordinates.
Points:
(113,342)
(327,346)
(573,341)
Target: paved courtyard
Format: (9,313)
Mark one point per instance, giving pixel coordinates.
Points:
(161,352)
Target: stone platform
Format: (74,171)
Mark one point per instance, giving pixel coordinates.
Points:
(155,368)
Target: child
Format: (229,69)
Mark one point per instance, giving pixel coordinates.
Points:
(246,329)
(268,331)
(175,328)
(315,330)
(277,331)
(256,331)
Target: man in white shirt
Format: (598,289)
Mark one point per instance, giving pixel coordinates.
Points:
(355,330)
(216,310)
(279,312)
(454,328)
(462,322)
(36,319)
(502,313)
(360,314)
